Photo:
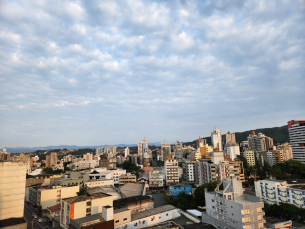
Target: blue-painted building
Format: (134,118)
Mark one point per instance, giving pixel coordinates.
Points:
(176,189)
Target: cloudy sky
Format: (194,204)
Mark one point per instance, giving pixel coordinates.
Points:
(110,72)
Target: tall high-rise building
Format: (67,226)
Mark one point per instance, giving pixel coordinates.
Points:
(12,193)
(142,149)
(48,161)
(178,151)
(171,171)
(216,139)
(53,158)
(230,138)
(260,142)
(165,149)
(201,142)
(296,131)
(99,151)
(233,150)
(127,151)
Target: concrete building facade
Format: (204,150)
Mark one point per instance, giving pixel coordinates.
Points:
(165,149)
(171,171)
(296,129)
(142,150)
(216,139)
(231,208)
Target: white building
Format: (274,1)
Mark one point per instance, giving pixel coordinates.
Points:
(232,149)
(147,218)
(142,150)
(102,173)
(127,151)
(99,151)
(171,171)
(12,189)
(86,164)
(296,131)
(231,208)
(216,139)
(178,151)
(281,191)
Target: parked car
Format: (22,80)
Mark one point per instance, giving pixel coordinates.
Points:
(34,215)
(40,220)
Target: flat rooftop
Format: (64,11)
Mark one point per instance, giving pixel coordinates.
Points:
(302,187)
(85,197)
(120,210)
(105,189)
(128,200)
(88,218)
(132,189)
(98,180)
(150,212)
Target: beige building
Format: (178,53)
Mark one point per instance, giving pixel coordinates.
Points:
(88,157)
(190,171)
(121,216)
(260,142)
(171,171)
(156,178)
(12,189)
(47,196)
(250,156)
(230,138)
(81,206)
(126,152)
(99,183)
(127,178)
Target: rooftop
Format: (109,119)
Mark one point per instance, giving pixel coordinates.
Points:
(150,212)
(302,187)
(86,197)
(97,180)
(120,210)
(88,218)
(132,189)
(125,201)
(55,208)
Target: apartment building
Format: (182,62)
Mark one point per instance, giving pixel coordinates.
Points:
(281,191)
(287,151)
(165,149)
(231,208)
(296,129)
(232,149)
(104,162)
(12,192)
(178,151)
(231,169)
(216,139)
(156,179)
(99,183)
(82,206)
(260,142)
(99,151)
(88,157)
(53,159)
(278,156)
(142,149)
(190,171)
(47,196)
(171,171)
(230,138)
(127,178)
(126,152)
(250,156)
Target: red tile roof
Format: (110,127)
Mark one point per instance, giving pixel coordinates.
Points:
(55,208)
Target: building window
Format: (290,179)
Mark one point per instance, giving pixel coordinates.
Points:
(125,219)
(117,221)
(135,224)
(166,214)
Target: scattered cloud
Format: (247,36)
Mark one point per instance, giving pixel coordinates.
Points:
(110,72)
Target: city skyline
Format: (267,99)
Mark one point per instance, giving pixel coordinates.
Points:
(80,73)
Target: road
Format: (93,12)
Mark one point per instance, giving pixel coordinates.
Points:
(28,211)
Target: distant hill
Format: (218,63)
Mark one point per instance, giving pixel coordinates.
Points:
(279,134)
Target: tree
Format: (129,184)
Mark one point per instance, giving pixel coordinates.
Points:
(83,190)
(47,170)
(200,193)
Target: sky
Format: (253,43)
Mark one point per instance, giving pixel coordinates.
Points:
(111,72)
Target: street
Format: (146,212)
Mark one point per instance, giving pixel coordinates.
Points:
(28,211)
